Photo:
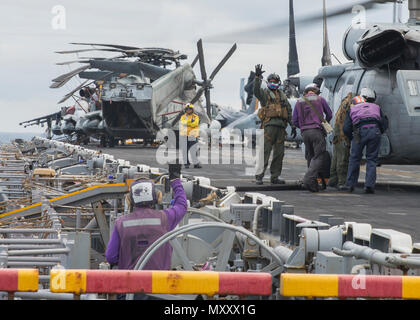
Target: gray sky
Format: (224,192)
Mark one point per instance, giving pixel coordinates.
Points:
(28,42)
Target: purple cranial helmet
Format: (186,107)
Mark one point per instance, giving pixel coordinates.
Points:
(142,193)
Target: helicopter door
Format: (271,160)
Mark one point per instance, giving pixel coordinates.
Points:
(409,85)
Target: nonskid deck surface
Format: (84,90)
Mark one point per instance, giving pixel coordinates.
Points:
(393,206)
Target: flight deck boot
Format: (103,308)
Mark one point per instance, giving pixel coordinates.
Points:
(278,181)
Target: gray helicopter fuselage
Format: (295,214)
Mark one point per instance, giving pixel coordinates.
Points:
(134,107)
(401,142)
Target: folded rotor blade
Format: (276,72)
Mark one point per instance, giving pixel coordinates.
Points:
(71,73)
(106,45)
(88,50)
(71,62)
(68,95)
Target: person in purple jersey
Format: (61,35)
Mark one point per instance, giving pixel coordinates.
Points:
(306,116)
(135,232)
(363,126)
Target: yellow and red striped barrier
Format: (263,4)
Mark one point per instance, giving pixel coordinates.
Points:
(350,286)
(160,282)
(13,280)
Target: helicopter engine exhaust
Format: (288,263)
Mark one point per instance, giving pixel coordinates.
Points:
(381,49)
(375,46)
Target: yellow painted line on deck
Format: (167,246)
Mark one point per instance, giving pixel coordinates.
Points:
(62,197)
(87,189)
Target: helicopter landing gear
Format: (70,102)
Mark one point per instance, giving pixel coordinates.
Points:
(107,141)
(102,141)
(148,142)
(111,142)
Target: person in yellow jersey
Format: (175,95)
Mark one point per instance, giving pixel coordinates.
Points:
(188,133)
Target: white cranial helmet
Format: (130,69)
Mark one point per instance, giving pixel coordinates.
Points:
(368,94)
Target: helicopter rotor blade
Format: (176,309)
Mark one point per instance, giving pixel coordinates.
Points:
(264,33)
(194,61)
(208,102)
(63,79)
(201,60)
(87,60)
(221,63)
(106,45)
(71,73)
(197,95)
(88,50)
(71,62)
(68,95)
(293,63)
(326,53)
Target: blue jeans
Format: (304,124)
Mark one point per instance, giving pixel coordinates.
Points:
(370,137)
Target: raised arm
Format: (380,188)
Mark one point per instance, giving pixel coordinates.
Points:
(258,91)
(179,208)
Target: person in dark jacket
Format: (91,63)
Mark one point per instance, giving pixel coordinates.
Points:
(364,125)
(313,134)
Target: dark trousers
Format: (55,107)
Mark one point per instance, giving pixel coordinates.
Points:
(185,146)
(315,147)
(274,137)
(370,137)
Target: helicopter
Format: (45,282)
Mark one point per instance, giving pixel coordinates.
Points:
(383,57)
(47,119)
(137,96)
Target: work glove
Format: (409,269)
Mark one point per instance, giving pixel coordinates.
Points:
(258,70)
(174,171)
(294,133)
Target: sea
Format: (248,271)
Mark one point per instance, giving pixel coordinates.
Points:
(7,137)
